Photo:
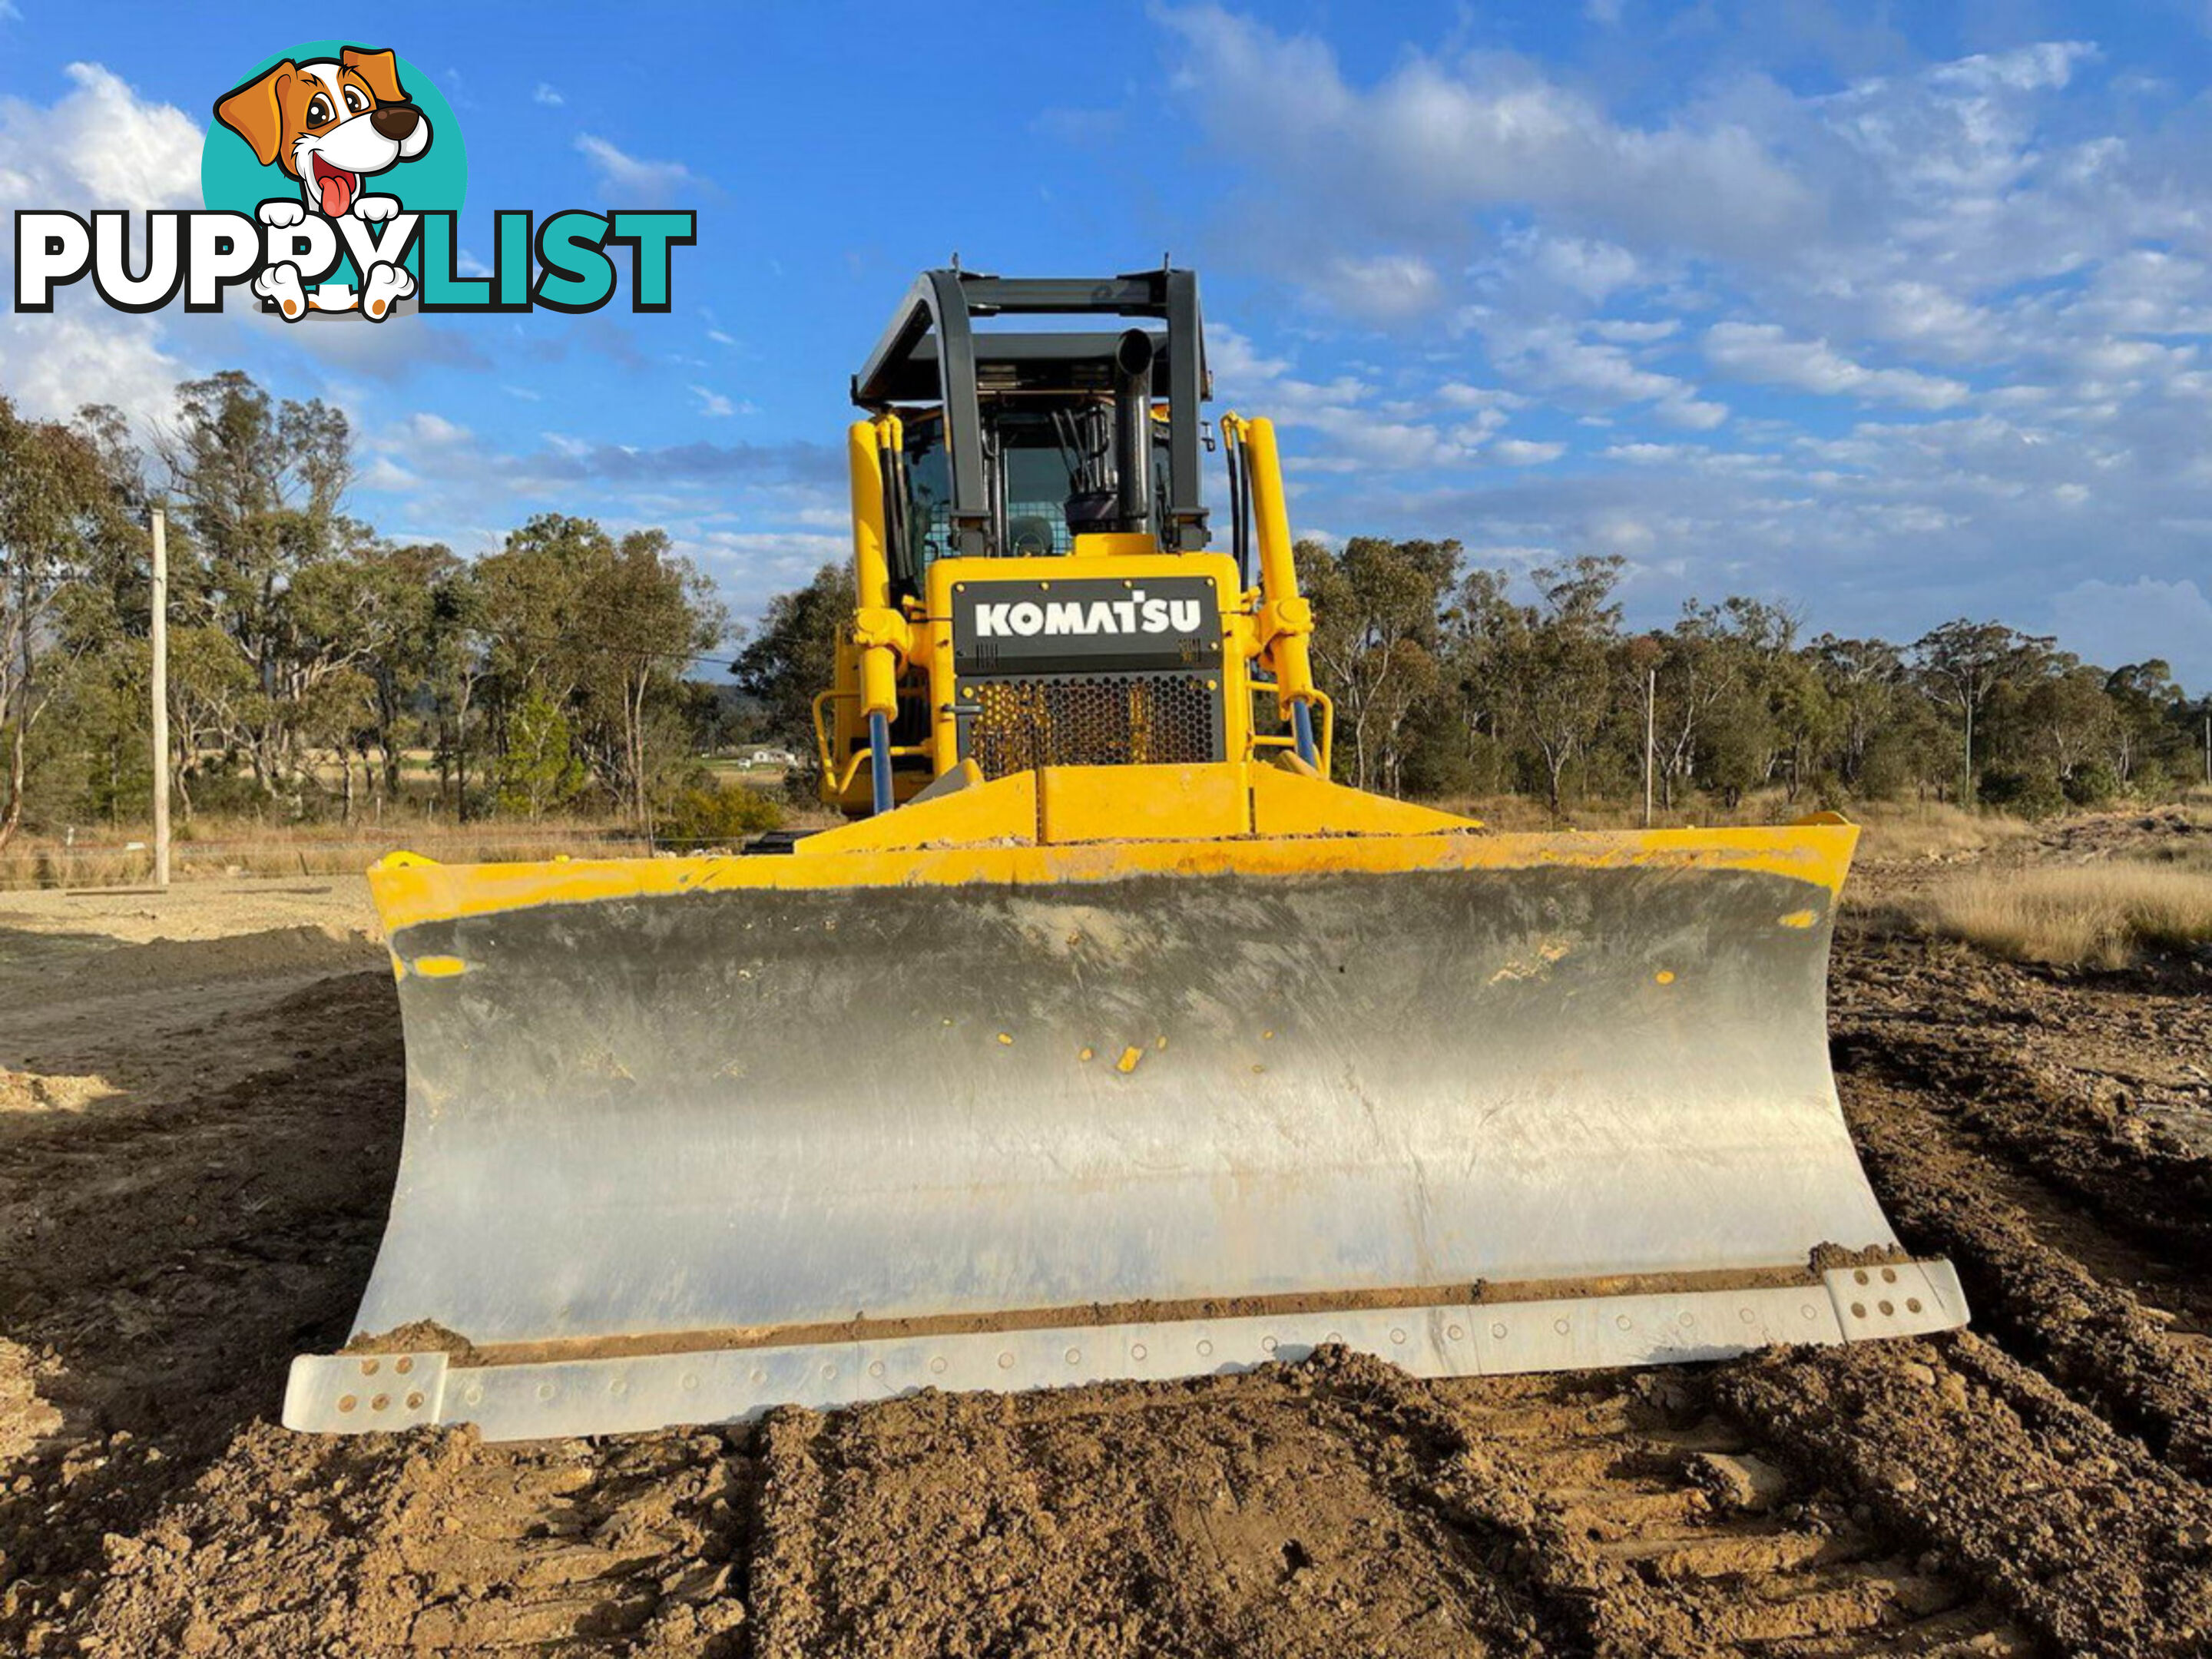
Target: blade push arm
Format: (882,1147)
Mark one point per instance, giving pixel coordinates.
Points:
(883,634)
(1284,622)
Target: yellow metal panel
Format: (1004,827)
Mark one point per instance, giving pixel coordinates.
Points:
(881,852)
(1143,803)
(871,570)
(1285,803)
(1115,545)
(1290,616)
(974,816)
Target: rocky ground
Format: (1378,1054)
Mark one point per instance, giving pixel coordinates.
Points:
(198,1135)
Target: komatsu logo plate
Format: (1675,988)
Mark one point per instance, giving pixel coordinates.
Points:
(1085,624)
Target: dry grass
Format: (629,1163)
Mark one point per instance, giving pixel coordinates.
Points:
(247,849)
(2103,916)
(1514,813)
(1931,831)
(1906,832)
(2187,851)
(123,856)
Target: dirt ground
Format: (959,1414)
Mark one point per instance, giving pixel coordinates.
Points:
(200,1102)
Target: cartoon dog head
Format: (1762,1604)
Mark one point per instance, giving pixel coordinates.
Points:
(329,122)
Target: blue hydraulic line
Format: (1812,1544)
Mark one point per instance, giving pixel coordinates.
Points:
(1302,731)
(879,759)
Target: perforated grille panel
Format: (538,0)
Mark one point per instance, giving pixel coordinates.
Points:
(1093,719)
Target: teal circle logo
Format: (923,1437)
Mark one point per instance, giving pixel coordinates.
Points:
(335,130)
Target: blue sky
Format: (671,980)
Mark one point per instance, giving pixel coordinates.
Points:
(1899,313)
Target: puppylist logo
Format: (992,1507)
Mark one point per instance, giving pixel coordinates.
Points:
(334,177)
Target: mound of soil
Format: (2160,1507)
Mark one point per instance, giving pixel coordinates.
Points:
(27,1091)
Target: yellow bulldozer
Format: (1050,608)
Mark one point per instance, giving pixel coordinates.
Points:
(1111,1039)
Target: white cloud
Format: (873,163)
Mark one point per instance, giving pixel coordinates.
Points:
(421,429)
(2147,290)
(384,473)
(1763,352)
(1457,394)
(52,365)
(1342,408)
(1551,357)
(794,550)
(1356,431)
(103,145)
(1921,317)
(1389,287)
(2045,66)
(750,565)
(548,95)
(1590,267)
(632,177)
(100,146)
(713,404)
(1696,414)
(2010,253)
(1438,136)
(1626,332)
(1520,452)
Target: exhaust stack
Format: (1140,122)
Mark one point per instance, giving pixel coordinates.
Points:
(1132,422)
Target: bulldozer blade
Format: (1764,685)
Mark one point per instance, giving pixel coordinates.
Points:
(688,1139)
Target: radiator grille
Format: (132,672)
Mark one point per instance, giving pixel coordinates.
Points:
(1093,719)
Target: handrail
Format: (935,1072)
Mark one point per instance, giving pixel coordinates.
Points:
(841,780)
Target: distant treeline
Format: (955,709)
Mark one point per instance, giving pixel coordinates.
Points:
(573,671)
(309,656)
(1448,680)
(1454,679)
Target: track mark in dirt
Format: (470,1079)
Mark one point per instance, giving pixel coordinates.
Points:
(2092,1543)
(2080,1139)
(2026,1263)
(1339,1506)
(2021,1059)
(1670,1532)
(433,1543)
(1252,1515)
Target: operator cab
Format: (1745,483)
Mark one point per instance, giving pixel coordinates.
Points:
(1051,473)
(1016,443)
